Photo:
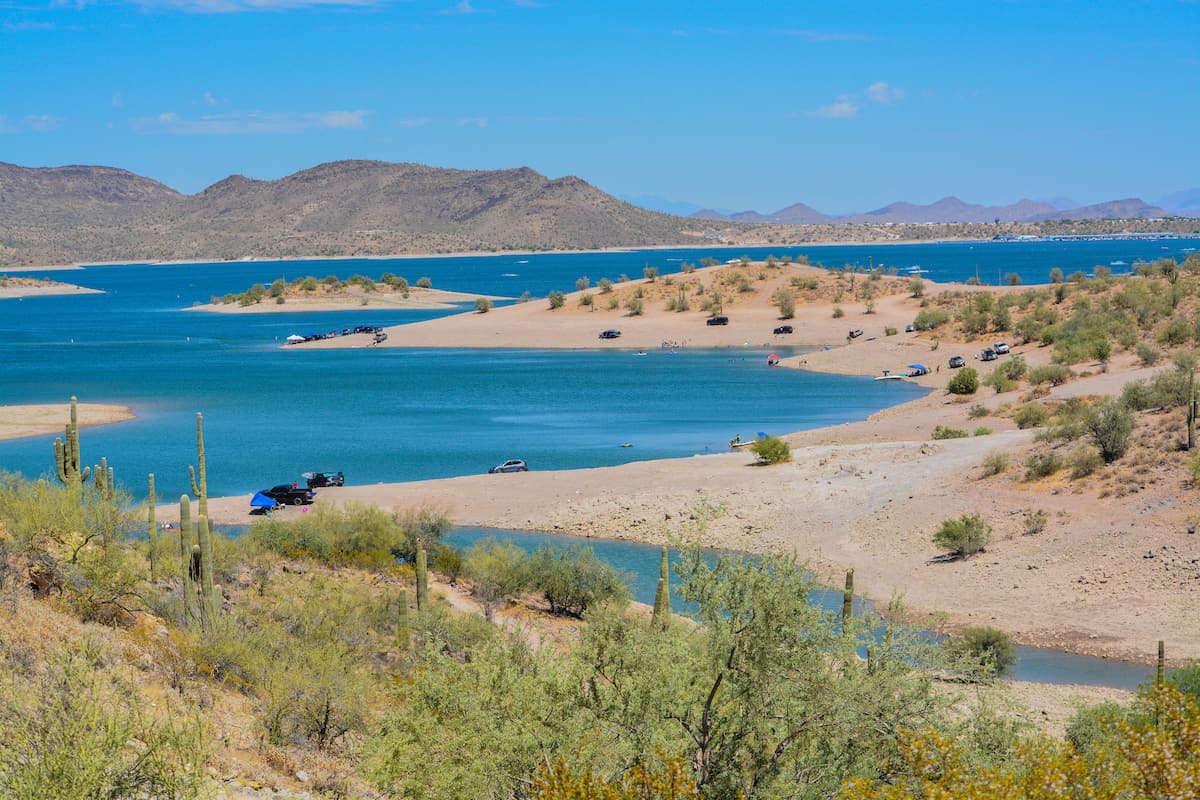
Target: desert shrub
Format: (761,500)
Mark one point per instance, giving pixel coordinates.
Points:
(1138,396)
(605,286)
(1110,424)
(771,450)
(982,431)
(1014,368)
(916,287)
(355,534)
(650,273)
(634,307)
(994,463)
(1031,415)
(424,283)
(948,433)
(483,305)
(1035,521)
(1083,461)
(1176,332)
(1092,728)
(425,525)
(1041,465)
(1187,678)
(573,579)
(1056,275)
(976,411)
(999,381)
(1053,374)
(1172,387)
(1148,354)
(965,381)
(1012,279)
(838,313)
(930,318)
(890,331)
(614,303)
(79,731)
(498,571)
(556,299)
(587,299)
(582,283)
(1193,467)
(448,561)
(987,650)
(964,536)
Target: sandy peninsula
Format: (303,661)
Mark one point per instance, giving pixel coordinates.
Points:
(1114,570)
(352,299)
(19,287)
(17,422)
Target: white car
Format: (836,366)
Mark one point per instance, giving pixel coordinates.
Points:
(1000,347)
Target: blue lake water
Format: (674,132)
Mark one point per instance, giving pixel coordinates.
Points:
(641,564)
(393,415)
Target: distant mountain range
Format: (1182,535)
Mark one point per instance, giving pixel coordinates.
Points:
(951,209)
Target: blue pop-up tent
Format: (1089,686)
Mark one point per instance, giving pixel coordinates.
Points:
(260,500)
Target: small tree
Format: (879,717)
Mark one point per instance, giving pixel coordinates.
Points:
(1110,424)
(786,302)
(424,283)
(964,536)
(497,571)
(916,287)
(965,381)
(556,300)
(483,305)
(986,649)
(771,450)
(582,283)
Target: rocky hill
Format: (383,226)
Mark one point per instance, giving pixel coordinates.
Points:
(341,208)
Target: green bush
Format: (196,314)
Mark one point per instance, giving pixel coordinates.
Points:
(930,318)
(1041,465)
(976,411)
(1053,374)
(483,305)
(1035,521)
(634,306)
(605,286)
(889,331)
(556,299)
(424,283)
(965,381)
(995,463)
(838,313)
(1187,678)
(355,534)
(982,431)
(1139,396)
(1148,354)
(964,536)
(573,579)
(940,432)
(986,649)
(771,450)
(498,571)
(1110,425)
(1031,415)
(1092,729)
(1083,461)
(999,381)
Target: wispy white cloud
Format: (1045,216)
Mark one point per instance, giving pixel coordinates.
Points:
(118,100)
(30,123)
(249,122)
(842,109)
(461,7)
(824,36)
(22,26)
(477,122)
(883,94)
(209,100)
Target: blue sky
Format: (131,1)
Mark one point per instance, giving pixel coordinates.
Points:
(841,105)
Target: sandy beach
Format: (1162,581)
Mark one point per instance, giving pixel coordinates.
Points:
(15,288)
(17,422)
(1110,576)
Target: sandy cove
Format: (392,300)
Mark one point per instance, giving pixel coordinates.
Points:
(1108,577)
(45,419)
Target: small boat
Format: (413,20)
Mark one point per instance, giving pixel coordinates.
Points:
(888,377)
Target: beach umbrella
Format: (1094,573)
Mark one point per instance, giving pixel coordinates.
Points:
(260,500)
(921,367)
(293,339)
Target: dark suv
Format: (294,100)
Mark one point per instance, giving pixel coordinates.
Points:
(316,480)
(289,493)
(717,321)
(782,329)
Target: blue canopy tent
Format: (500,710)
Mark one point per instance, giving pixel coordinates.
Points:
(918,369)
(261,504)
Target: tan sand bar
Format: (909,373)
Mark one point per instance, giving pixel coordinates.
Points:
(17,422)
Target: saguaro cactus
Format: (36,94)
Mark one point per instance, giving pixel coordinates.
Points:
(66,454)
(422,580)
(188,571)
(848,600)
(209,607)
(152,529)
(106,483)
(200,487)
(662,595)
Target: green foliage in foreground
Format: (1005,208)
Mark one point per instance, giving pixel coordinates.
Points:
(942,432)
(1110,425)
(765,672)
(79,731)
(965,381)
(771,450)
(989,649)
(357,534)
